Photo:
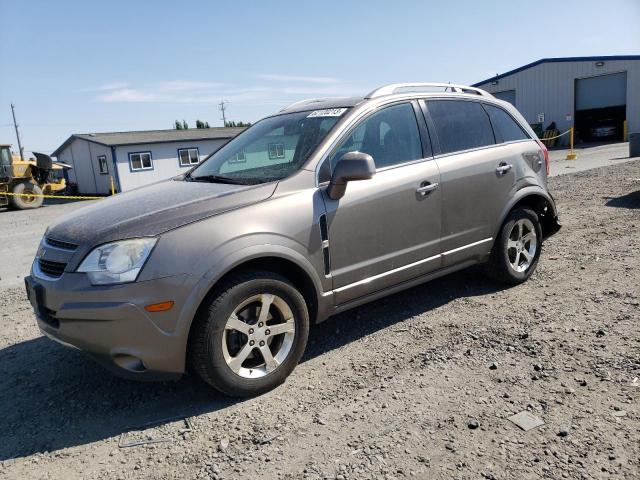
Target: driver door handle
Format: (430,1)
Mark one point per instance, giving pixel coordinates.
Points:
(503,168)
(425,189)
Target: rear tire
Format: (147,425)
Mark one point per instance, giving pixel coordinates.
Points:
(238,349)
(517,249)
(26,202)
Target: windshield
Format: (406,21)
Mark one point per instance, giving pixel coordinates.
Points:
(272,149)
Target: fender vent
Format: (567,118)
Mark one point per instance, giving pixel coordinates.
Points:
(60,244)
(324,236)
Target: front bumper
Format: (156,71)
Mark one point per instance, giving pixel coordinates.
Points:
(110,323)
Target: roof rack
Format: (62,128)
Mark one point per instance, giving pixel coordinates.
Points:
(303,102)
(448,87)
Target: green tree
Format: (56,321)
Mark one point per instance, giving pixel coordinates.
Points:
(185,125)
(199,124)
(206,125)
(233,123)
(178,125)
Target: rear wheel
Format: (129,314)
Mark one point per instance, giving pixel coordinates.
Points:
(517,249)
(27,198)
(250,337)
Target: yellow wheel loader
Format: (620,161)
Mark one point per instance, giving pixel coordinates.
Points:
(27,179)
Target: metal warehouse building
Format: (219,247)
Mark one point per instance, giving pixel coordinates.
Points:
(584,92)
(134,159)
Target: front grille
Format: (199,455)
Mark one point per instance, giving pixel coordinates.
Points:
(60,244)
(52,269)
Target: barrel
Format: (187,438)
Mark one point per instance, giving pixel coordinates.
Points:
(634,144)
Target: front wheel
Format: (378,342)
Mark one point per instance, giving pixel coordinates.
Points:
(517,249)
(27,196)
(249,337)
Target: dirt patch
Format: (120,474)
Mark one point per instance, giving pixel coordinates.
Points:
(420,384)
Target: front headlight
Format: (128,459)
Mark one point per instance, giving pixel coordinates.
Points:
(117,262)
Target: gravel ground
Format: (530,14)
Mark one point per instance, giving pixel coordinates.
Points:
(419,384)
(21,231)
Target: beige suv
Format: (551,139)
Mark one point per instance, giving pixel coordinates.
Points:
(321,207)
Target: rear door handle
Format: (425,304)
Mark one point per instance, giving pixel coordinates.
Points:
(503,168)
(426,189)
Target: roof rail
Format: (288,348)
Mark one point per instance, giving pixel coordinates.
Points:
(302,102)
(391,89)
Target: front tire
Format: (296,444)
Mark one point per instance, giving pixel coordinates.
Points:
(517,249)
(29,200)
(250,335)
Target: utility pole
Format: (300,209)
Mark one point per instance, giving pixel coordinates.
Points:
(15,125)
(222,109)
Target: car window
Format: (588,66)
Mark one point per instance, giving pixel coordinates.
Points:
(390,136)
(460,125)
(272,149)
(504,126)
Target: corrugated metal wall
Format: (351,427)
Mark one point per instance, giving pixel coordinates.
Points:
(549,88)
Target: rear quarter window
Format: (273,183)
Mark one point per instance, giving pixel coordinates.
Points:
(504,126)
(460,125)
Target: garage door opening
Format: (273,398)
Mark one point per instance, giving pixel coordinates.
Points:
(601,107)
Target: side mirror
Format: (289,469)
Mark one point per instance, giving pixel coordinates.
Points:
(352,166)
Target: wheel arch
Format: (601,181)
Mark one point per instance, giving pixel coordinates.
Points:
(261,258)
(298,275)
(278,259)
(539,201)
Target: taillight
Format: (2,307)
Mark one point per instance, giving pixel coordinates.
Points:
(545,152)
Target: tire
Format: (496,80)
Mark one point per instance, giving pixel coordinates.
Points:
(516,252)
(26,203)
(216,347)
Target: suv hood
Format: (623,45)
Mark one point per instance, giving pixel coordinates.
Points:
(153,209)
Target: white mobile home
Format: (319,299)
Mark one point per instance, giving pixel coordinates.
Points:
(134,159)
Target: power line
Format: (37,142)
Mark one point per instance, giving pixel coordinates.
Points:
(222,109)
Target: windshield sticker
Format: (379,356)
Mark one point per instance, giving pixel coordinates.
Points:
(327,112)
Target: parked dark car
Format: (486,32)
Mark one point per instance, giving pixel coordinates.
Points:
(603,129)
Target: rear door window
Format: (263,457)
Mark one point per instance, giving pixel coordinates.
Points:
(504,126)
(460,125)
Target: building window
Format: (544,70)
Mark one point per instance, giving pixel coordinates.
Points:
(140,161)
(188,156)
(239,157)
(102,164)
(276,150)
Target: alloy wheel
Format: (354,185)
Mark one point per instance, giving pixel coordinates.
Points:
(522,245)
(258,336)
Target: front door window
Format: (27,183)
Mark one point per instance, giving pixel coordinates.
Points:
(390,136)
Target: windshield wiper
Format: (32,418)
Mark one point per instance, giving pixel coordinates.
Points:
(214,179)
